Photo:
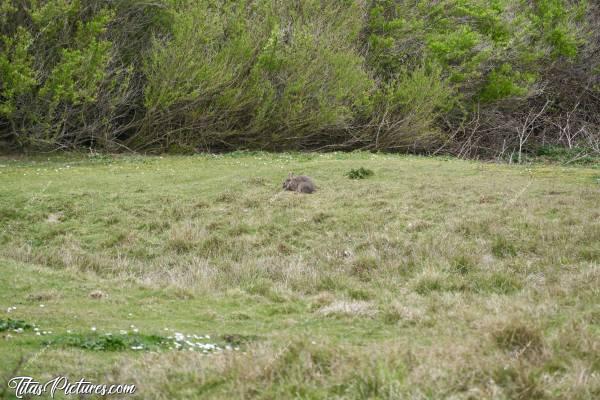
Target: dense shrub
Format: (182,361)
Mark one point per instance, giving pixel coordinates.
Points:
(259,74)
(497,60)
(65,81)
(469,77)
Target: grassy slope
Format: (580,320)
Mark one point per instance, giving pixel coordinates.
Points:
(433,278)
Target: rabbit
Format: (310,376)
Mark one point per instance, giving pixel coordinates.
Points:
(300,184)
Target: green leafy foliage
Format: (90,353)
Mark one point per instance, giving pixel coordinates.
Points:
(555,20)
(408,107)
(504,82)
(13,324)
(359,173)
(98,342)
(467,37)
(387,74)
(272,75)
(18,75)
(80,70)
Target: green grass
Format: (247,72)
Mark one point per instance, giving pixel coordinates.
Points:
(434,278)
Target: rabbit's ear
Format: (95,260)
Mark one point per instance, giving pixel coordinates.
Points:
(291,175)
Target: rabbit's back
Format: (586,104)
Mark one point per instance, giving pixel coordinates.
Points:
(301,184)
(306,186)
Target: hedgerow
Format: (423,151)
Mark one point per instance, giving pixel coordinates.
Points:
(469,77)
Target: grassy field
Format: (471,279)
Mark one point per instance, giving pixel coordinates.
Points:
(197,277)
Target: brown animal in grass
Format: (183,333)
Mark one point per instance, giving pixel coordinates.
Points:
(300,184)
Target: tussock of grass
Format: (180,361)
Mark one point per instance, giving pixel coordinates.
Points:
(349,308)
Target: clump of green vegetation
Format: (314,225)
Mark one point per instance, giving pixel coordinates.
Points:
(519,337)
(360,173)
(363,267)
(98,342)
(503,247)
(125,341)
(14,324)
(574,155)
